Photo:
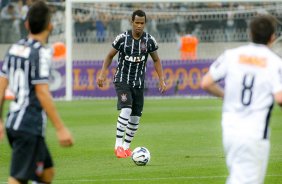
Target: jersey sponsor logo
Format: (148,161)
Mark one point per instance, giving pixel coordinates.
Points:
(20,50)
(136,59)
(253,60)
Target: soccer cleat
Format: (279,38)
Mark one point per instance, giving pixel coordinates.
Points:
(128,152)
(120,153)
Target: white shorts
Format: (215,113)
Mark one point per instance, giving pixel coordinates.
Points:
(246,159)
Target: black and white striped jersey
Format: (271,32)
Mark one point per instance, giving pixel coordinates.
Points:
(132,58)
(26,64)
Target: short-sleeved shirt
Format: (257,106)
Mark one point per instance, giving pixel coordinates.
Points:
(132,58)
(26,64)
(252,74)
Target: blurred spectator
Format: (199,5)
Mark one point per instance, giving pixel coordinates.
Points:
(195,25)
(125,23)
(113,28)
(9,24)
(152,27)
(230,25)
(82,23)
(57,20)
(100,24)
(4,3)
(166,28)
(188,47)
(209,22)
(23,12)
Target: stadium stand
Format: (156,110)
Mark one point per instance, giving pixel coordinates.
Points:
(210,22)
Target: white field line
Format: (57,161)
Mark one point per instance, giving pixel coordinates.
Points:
(142,179)
(150,179)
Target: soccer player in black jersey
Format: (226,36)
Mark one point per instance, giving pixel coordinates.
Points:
(26,71)
(133,47)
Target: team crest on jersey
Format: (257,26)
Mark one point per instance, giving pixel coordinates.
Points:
(123,97)
(143,46)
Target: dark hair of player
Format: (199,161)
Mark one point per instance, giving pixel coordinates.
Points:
(139,13)
(39,16)
(262,27)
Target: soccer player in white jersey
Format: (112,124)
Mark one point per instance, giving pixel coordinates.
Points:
(253,82)
(26,71)
(133,46)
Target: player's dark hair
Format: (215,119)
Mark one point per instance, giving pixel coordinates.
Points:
(262,27)
(139,13)
(39,16)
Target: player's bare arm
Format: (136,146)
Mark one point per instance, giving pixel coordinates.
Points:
(3,86)
(46,101)
(209,85)
(107,62)
(278,98)
(159,70)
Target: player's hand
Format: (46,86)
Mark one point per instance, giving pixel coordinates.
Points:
(64,137)
(101,79)
(162,87)
(2,132)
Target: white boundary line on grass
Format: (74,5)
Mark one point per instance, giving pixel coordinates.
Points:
(152,179)
(142,179)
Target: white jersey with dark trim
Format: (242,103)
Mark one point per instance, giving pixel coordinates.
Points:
(252,74)
(26,64)
(132,58)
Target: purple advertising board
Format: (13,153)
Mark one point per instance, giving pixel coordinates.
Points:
(182,79)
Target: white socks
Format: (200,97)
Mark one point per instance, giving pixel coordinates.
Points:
(121,125)
(131,129)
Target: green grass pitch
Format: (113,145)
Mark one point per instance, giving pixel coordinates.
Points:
(183,136)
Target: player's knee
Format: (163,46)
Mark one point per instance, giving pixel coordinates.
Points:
(126,111)
(135,120)
(12,180)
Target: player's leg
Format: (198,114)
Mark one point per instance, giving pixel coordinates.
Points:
(46,177)
(263,149)
(246,160)
(132,126)
(37,182)
(12,180)
(31,159)
(121,125)
(131,129)
(22,145)
(124,105)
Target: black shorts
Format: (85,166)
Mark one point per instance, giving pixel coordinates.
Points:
(30,155)
(129,97)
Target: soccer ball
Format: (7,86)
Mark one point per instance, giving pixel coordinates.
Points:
(141,156)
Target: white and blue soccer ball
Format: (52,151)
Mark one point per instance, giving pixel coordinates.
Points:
(141,156)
